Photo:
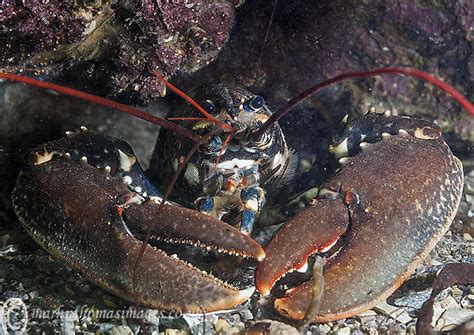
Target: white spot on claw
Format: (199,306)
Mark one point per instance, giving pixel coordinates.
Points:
(343,160)
(340,150)
(303,268)
(126,161)
(44,157)
(420,133)
(127,180)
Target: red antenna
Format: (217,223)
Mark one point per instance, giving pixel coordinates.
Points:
(462,100)
(103,102)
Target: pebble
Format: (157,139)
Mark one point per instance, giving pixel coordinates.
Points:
(413,299)
(174,332)
(109,301)
(305,165)
(244,312)
(344,331)
(271,327)
(120,330)
(468,301)
(221,325)
(469,183)
(152,317)
(396,313)
(195,322)
(367,316)
(447,310)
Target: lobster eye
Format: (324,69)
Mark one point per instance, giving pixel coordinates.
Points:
(256,103)
(208,106)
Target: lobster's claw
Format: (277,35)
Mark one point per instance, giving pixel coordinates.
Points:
(71,209)
(397,196)
(183,225)
(311,231)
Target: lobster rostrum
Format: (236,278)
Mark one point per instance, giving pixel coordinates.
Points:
(85,199)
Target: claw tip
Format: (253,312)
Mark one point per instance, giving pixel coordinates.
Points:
(265,291)
(246,293)
(261,255)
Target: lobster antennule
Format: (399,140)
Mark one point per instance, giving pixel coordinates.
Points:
(461,99)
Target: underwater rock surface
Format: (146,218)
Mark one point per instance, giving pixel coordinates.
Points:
(112,47)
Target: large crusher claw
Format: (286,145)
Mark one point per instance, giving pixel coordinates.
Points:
(388,205)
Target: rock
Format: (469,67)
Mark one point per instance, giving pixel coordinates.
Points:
(452,318)
(121,43)
(312,41)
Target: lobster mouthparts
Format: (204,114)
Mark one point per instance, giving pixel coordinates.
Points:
(392,201)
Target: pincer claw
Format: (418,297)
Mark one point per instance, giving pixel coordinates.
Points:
(319,226)
(93,222)
(182,225)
